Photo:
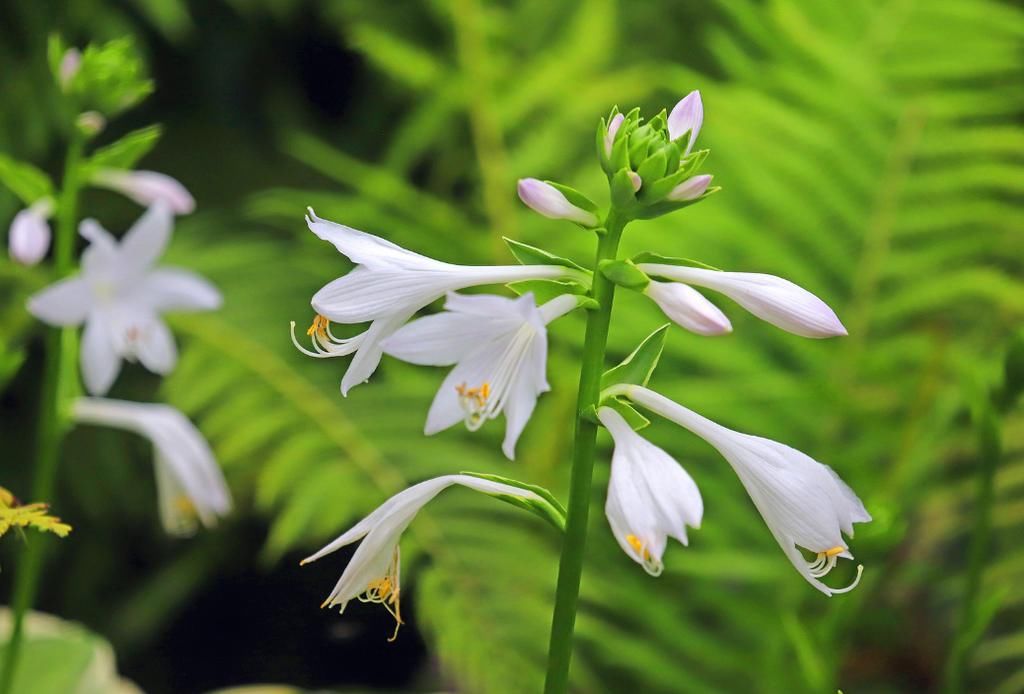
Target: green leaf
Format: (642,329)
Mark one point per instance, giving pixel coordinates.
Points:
(628,412)
(1013,370)
(24,180)
(546,290)
(624,273)
(531,255)
(574,196)
(658,259)
(125,152)
(548,507)
(638,367)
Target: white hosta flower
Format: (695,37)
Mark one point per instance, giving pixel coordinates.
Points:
(613,128)
(373,573)
(190,485)
(147,188)
(499,348)
(543,198)
(690,189)
(686,117)
(803,502)
(650,496)
(770,298)
(389,285)
(687,307)
(119,296)
(29,236)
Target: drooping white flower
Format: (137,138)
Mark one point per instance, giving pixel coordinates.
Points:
(609,135)
(499,348)
(543,198)
(690,189)
(804,503)
(650,496)
(147,188)
(119,296)
(389,285)
(770,298)
(687,307)
(29,236)
(686,117)
(190,485)
(373,573)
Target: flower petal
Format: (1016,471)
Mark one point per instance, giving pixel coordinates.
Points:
(99,358)
(367,249)
(155,347)
(66,302)
(147,240)
(172,289)
(686,116)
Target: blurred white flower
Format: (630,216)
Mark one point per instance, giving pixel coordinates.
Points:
(804,503)
(373,573)
(119,296)
(650,496)
(147,188)
(550,202)
(29,236)
(499,348)
(688,308)
(686,117)
(770,298)
(389,285)
(190,485)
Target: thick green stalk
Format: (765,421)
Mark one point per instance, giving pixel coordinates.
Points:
(57,369)
(570,567)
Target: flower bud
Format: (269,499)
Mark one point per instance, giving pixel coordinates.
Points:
(547,200)
(69,65)
(29,236)
(687,116)
(91,123)
(690,189)
(146,188)
(688,308)
(613,127)
(635,179)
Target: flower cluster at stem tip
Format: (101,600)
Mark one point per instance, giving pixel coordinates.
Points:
(496,348)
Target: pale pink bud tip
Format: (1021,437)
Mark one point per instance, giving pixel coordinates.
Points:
(635,179)
(547,200)
(148,187)
(690,189)
(29,236)
(69,64)
(687,116)
(613,128)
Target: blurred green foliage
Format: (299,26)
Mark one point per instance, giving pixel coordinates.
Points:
(870,151)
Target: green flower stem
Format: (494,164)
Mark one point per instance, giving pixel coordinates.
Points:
(58,368)
(570,567)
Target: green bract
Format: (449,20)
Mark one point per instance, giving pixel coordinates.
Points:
(110,78)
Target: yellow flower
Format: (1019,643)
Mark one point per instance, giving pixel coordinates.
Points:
(15,515)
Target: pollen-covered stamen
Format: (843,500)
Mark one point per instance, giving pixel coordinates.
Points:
(474,403)
(325,343)
(652,564)
(826,561)
(385,591)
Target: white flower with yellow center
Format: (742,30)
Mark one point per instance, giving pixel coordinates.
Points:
(803,502)
(499,348)
(119,296)
(189,483)
(650,496)
(387,288)
(373,573)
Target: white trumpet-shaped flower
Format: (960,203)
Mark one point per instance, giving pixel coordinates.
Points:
(119,296)
(770,298)
(804,503)
(373,573)
(190,485)
(686,117)
(389,285)
(30,235)
(650,496)
(499,348)
(147,188)
(688,308)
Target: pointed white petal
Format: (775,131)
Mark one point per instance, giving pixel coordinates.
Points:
(155,347)
(172,289)
(364,295)
(146,241)
(613,128)
(66,302)
(687,307)
(367,249)
(147,188)
(686,116)
(100,258)
(99,358)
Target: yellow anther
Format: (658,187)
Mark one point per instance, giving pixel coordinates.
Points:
(476,398)
(834,551)
(637,544)
(319,326)
(184,505)
(385,591)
